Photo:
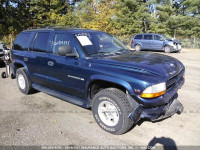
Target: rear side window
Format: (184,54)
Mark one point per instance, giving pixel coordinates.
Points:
(147,37)
(139,36)
(41,42)
(21,42)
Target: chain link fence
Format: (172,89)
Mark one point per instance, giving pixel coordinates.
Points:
(185,41)
(190,42)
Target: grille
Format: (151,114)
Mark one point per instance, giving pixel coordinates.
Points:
(175,79)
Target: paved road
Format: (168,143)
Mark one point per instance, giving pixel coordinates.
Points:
(40,119)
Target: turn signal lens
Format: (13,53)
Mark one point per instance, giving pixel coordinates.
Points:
(152,95)
(184,75)
(131,41)
(154,90)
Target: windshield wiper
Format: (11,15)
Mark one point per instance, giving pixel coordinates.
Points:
(97,53)
(121,51)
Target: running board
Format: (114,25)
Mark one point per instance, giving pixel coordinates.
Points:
(65,97)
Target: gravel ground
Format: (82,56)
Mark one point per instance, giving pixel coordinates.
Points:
(40,119)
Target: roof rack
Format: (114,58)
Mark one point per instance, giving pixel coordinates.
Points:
(52,27)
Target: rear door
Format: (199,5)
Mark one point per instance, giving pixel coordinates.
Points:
(37,58)
(147,41)
(20,46)
(157,43)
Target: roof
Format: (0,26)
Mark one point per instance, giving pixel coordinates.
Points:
(58,29)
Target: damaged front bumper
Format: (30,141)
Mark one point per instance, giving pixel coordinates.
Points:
(157,113)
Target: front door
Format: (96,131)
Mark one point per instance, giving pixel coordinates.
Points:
(66,74)
(157,43)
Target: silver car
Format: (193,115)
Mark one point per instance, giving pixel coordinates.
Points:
(153,41)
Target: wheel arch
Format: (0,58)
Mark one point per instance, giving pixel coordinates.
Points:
(138,44)
(171,47)
(16,65)
(100,82)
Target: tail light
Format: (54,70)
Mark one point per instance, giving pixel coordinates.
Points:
(132,42)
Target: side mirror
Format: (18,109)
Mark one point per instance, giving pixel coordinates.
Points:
(161,39)
(66,50)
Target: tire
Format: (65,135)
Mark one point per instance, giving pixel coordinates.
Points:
(110,109)
(138,47)
(3,74)
(167,49)
(13,76)
(178,51)
(23,82)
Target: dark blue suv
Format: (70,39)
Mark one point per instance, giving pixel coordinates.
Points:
(94,70)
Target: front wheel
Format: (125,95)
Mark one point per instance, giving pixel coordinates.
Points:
(110,109)
(167,49)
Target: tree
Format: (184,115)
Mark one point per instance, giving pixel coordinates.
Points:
(95,14)
(132,16)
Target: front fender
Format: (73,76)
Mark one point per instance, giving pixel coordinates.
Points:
(114,80)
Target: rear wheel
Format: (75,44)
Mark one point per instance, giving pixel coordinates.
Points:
(110,109)
(23,82)
(138,47)
(167,49)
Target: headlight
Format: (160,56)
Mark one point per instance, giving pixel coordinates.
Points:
(154,90)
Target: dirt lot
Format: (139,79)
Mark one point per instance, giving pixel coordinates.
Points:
(40,119)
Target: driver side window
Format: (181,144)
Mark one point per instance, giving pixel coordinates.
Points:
(61,40)
(157,37)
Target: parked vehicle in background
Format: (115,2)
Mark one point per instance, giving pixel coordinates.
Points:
(94,70)
(1,51)
(152,41)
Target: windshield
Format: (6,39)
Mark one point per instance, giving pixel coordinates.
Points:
(166,37)
(100,43)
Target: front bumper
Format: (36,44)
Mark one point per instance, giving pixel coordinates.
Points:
(176,47)
(157,113)
(164,99)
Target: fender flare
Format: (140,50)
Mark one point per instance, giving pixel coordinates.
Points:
(13,68)
(171,47)
(114,80)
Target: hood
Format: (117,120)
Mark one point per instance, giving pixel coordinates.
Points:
(159,64)
(175,41)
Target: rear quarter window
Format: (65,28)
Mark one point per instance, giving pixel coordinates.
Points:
(139,36)
(21,42)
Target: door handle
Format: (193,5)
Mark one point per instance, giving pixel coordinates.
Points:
(25,59)
(50,63)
